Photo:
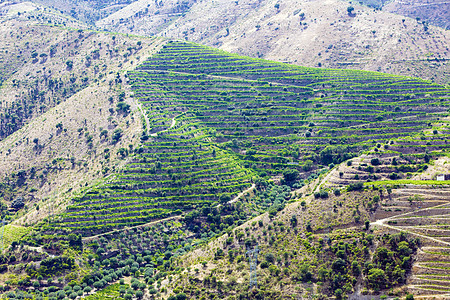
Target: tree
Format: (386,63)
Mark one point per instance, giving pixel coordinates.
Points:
(123,107)
(290,174)
(294,221)
(376,278)
(224,198)
(375,161)
(335,154)
(18,203)
(350,10)
(117,135)
(355,186)
(305,273)
(308,165)
(69,64)
(128,296)
(181,296)
(270,257)
(356,269)
(104,133)
(338,265)
(338,293)
(75,241)
(122,152)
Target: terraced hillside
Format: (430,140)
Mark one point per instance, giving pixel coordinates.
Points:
(216,122)
(307,33)
(431,225)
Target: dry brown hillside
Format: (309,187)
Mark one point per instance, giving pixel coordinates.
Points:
(42,65)
(86,11)
(67,142)
(313,33)
(436,12)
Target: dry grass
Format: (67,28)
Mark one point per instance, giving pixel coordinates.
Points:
(87,112)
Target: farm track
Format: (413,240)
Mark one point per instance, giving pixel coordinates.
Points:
(147,122)
(381,223)
(241,194)
(89,238)
(401,228)
(432,264)
(172,125)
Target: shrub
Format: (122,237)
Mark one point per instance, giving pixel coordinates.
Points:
(18,203)
(270,257)
(181,296)
(375,161)
(117,135)
(290,174)
(355,186)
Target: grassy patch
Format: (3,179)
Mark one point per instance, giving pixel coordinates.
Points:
(13,233)
(110,292)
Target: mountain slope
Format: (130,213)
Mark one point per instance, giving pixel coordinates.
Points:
(314,33)
(217,121)
(58,122)
(224,139)
(85,11)
(43,64)
(435,12)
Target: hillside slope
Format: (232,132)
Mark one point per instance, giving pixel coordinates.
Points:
(84,11)
(318,247)
(435,12)
(59,121)
(222,139)
(313,33)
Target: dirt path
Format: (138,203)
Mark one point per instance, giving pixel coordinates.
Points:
(323,181)
(381,223)
(439,296)
(423,4)
(174,122)
(401,228)
(242,194)
(86,239)
(147,122)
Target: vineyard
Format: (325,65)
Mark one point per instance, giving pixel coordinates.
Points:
(431,225)
(216,121)
(11,234)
